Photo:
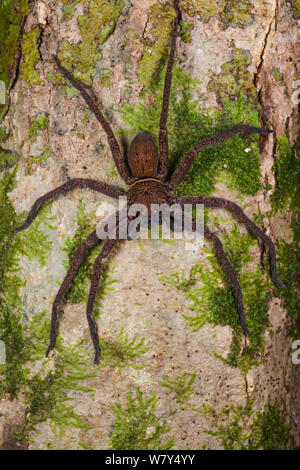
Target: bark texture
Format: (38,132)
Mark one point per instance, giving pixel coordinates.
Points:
(119,48)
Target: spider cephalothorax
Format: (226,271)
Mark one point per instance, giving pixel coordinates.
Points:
(145,171)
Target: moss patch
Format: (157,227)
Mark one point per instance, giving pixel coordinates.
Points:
(296,8)
(37,124)
(212,299)
(95,27)
(229,12)
(8,159)
(136,426)
(69,10)
(11,14)
(3,134)
(30,57)
(122,352)
(105,76)
(162,16)
(234,79)
(37,159)
(286,198)
(32,243)
(78,291)
(181,388)
(59,81)
(45,389)
(243,428)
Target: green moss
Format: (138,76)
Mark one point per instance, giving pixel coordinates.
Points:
(10,23)
(286,198)
(162,15)
(30,57)
(189,123)
(278,76)
(105,76)
(185,30)
(243,428)
(3,134)
(70,91)
(229,12)
(8,159)
(122,352)
(38,159)
(32,243)
(78,291)
(26,336)
(59,81)
(280,80)
(212,299)
(287,173)
(56,79)
(181,388)
(296,8)
(95,27)
(46,396)
(37,124)
(234,79)
(69,11)
(136,426)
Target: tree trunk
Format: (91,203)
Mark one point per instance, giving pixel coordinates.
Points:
(168,323)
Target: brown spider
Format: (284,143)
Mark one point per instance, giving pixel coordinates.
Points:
(145,171)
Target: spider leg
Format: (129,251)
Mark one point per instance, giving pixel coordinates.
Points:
(186,163)
(163,131)
(91,241)
(228,269)
(242,218)
(94,106)
(97,273)
(71,184)
(225,263)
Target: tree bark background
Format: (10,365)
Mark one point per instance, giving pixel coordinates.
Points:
(56,139)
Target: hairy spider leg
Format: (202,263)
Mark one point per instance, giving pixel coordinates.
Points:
(228,269)
(243,219)
(91,241)
(163,131)
(94,106)
(69,186)
(187,161)
(97,273)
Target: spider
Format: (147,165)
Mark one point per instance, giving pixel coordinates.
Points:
(145,171)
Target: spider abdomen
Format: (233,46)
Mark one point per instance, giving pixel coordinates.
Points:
(143,156)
